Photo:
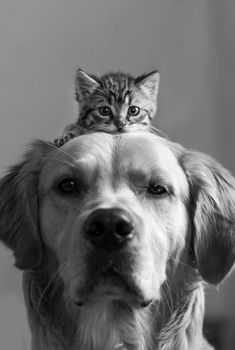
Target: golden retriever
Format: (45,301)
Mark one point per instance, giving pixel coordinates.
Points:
(115,235)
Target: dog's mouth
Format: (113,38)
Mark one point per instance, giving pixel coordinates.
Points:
(112,282)
(111,285)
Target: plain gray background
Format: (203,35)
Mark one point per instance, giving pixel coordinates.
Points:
(191,43)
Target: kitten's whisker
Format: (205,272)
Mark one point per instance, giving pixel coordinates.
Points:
(63,161)
(60,150)
(157,131)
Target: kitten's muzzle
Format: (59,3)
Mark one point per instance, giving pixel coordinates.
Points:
(109,228)
(120,125)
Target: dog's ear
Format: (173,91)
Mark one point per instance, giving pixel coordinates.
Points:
(213,213)
(19,228)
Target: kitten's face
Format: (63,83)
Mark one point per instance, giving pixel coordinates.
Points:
(116,101)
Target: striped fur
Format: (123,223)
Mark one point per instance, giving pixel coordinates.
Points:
(117,91)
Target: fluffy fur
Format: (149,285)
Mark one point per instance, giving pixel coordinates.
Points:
(120,93)
(146,295)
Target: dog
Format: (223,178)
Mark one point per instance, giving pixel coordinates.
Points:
(116,236)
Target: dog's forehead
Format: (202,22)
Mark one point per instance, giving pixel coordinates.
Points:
(153,157)
(85,152)
(140,152)
(130,149)
(127,144)
(145,152)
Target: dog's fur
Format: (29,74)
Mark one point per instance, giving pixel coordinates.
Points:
(181,237)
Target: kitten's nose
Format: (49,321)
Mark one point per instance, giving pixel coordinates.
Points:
(120,125)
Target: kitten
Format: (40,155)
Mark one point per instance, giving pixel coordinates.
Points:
(114,102)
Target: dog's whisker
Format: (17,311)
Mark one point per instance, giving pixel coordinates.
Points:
(169,294)
(181,263)
(155,304)
(52,263)
(51,281)
(166,299)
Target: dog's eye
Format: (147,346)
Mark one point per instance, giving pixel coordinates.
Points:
(68,185)
(157,189)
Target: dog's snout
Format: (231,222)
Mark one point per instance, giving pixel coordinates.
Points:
(109,228)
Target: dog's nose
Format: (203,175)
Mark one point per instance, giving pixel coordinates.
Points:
(109,228)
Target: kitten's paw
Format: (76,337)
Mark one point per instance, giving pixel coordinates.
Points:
(61,140)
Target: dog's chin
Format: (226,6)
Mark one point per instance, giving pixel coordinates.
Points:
(114,288)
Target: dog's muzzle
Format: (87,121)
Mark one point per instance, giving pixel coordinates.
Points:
(109,228)
(113,264)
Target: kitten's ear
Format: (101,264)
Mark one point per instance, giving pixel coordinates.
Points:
(149,83)
(84,84)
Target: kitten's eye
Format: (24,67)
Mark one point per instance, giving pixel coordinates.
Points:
(68,185)
(157,189)
(105,111)
(133,110)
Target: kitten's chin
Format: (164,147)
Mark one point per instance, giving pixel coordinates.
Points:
(136,127)
(106,128)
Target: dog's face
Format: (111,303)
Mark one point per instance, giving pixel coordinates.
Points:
(114,210)
(117,213)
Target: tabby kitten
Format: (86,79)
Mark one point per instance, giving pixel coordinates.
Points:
(114,102)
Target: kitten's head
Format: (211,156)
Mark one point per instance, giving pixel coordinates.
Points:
(116,101)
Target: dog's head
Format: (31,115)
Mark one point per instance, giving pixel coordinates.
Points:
(117,213)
